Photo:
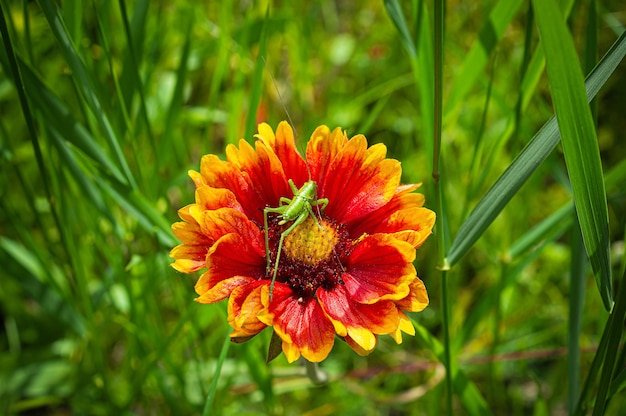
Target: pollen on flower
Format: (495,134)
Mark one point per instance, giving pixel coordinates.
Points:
(311,242)
(313,255)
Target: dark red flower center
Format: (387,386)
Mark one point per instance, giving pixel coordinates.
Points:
(313,255)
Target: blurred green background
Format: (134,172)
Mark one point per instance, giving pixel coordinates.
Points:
(116,101)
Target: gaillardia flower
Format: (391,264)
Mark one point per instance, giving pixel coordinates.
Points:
(346,269)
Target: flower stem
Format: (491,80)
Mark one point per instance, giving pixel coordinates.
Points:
(314,372)
(439,6)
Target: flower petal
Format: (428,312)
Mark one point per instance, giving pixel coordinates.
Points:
(189,258)
(217,223)
(405,326)
(211,198)
(417,299)
(379,267)
(191,234)
(244,306)
(231,256)
(217,173)
(358,349)
(284,146)
(360,320)
(301,324)
(322,149)
(403,216)
(264,168)
(212,292)
(368,179)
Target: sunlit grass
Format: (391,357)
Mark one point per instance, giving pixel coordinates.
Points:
(105,106)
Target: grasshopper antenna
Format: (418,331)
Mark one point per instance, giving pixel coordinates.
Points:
(280,97)
(293,209)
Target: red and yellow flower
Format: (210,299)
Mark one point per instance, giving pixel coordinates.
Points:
(348,272)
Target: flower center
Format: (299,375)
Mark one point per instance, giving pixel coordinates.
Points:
(311,242)
(313,255)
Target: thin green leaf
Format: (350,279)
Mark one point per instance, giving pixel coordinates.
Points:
(525,164)
(397,17)
(59,116)
(421,56)
(143,211)
(208,403)
(578,270)
(580,146)
(38,282)
(85,83)
(614,329)
(542,231)
(491,32)
(257,80)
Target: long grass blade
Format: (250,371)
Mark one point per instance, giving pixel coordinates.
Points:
(257,80)
(208,403)
(420,51)
(537,150)
(85,83)
(578,268)
(580,147)
(501,15)
(614,329)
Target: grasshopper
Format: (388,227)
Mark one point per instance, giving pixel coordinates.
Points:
(297,210)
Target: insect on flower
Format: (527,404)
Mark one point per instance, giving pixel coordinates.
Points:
(315,247)
(297,210)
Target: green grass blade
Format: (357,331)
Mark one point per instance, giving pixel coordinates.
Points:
(59,116)
(208,404)
(501,15)
(138,34)
(580,147)
(490,206)
(537,63)
(614,328)
(578,269)
(397,17)
(134,68)
(257,80)
(421,56)
(142,210)
(37,280)
(85,83)
(87,185)
(181,78)
(10,62)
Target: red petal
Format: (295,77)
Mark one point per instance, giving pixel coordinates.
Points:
(368,180)
(322,149)
(213,198)
(417,299)
(189,258)
(231,256)
(264,168)
(244,306)
(191,234)
(220,174)
(211,292)
(219,222)
(302,325)
(358,321)
(284,146)
(379,267)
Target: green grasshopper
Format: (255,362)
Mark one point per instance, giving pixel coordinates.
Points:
(297,210)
